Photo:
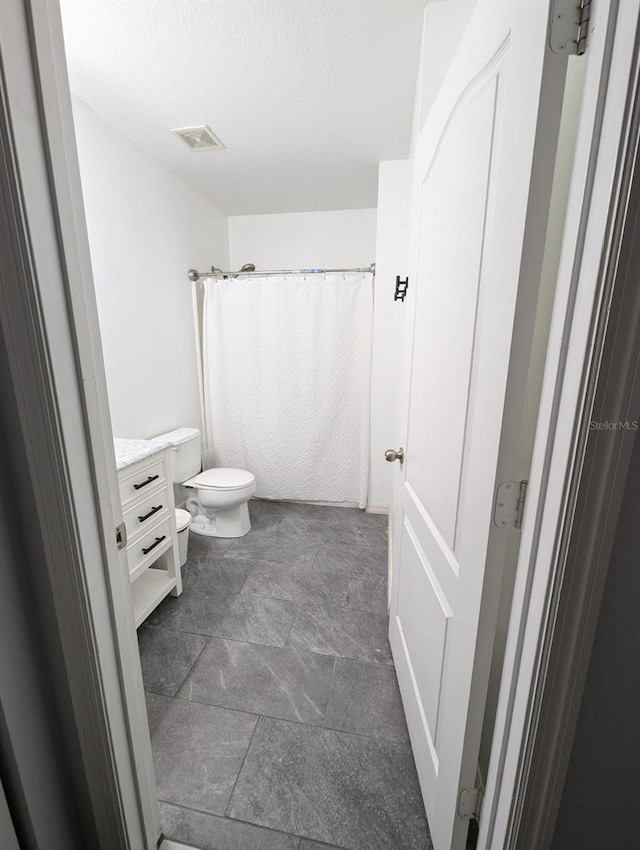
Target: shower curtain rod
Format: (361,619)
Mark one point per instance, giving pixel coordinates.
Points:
(194,275)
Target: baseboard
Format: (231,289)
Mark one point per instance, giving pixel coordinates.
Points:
(377,509)
(307,502)
(390,564)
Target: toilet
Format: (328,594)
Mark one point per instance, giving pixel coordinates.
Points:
(218,498)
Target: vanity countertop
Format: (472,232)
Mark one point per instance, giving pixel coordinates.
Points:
(131,451)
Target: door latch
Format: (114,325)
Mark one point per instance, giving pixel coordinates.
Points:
(121,535)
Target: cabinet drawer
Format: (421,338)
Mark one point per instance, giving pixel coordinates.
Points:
(144,513)
(144,550)
(143,481)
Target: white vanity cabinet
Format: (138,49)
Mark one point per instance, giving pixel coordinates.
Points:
(148,510)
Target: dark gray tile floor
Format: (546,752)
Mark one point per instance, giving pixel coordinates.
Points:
(274,710)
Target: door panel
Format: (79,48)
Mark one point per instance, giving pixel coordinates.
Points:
(420,596)
(446,311)
(482,187)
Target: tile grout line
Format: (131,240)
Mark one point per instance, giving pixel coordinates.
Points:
(260,716)
(188,673)
(287,648)
(333,678)
(272,829)
(361,610)
(233,790)
(284,645)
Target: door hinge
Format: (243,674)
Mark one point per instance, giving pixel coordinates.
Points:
(510,500)
(569,25)
(401,288)
(121,535)
(470,803)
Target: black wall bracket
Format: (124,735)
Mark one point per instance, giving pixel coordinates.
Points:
(401,289)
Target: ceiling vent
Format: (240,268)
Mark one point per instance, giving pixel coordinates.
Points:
(200,138)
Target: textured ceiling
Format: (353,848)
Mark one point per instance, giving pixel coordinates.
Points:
(307,95)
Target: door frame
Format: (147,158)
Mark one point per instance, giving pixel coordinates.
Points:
(49,317)
(568,528)
(103,674)
(8,837)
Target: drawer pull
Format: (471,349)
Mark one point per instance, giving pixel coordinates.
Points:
(151,513)
(144,483)
(154,544)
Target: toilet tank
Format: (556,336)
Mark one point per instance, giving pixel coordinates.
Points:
(186,454)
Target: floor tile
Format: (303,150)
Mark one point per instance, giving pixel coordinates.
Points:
(200,544)
(355,559)
(323,513)
(158,708)
(302,583)
(347,527)
(216,575)
(344,790)
(293,622)
(210,832)
(198,751)
(372,530)
(267,680)
(345,633)
(255,619)
(271,545)
(265,514)
(367,593)
(365,699)
(167,657)
(318,531)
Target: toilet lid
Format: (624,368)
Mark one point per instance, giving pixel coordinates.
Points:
(183,519)
(223,479)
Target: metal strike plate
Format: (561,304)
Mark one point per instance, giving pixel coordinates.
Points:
(121,535)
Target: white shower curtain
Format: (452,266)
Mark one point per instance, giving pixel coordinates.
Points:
(287,373)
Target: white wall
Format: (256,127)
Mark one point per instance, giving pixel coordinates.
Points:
(146,229)
(392,258)
(335,239)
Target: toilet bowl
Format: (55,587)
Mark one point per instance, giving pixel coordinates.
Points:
(219,503)
(216,498)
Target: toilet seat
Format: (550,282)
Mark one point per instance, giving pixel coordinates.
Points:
(223,479)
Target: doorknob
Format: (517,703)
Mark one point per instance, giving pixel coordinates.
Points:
(394,454)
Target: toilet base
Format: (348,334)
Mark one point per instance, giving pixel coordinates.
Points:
(231,522)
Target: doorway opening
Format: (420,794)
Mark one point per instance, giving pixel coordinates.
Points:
(273,708)
(317,517)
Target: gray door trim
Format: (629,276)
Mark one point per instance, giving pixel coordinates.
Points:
(612,393)
(45,422)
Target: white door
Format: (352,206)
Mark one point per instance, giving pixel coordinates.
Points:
(483,170)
